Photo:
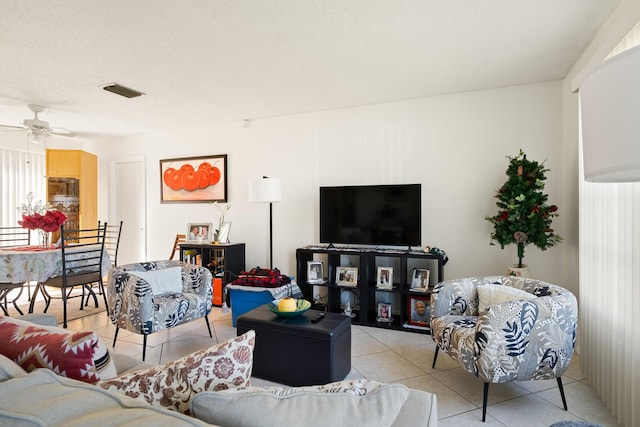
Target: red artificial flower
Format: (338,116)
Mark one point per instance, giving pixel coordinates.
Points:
(553,208)
(50,221)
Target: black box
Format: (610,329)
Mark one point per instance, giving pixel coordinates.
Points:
(296,351)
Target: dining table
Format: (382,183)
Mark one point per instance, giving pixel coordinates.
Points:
(21,265)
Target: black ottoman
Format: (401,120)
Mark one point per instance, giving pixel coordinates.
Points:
(295,351)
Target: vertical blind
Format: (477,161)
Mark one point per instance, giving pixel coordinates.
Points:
(610,287)
(21,172)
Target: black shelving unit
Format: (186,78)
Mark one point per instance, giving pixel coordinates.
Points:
(366,292)
(225,260)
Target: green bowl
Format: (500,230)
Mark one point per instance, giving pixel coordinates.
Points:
(302,305)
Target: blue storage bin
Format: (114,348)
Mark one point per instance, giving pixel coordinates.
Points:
(244,301)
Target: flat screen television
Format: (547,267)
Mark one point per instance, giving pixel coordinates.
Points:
(378,215)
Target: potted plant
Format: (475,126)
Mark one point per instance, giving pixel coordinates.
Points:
(523,217)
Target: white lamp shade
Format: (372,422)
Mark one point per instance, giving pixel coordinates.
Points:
(265,190)
(610,108)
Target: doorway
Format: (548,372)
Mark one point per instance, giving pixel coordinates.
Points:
(127,201)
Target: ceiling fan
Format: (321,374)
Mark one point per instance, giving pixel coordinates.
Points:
(39,129)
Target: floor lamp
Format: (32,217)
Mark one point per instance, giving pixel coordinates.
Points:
(266,190)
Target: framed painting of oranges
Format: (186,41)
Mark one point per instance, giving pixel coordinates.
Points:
(194,179)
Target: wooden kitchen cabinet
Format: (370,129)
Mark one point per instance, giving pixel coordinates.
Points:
(72,186)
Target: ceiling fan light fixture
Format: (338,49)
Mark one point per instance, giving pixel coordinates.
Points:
(39,135)
(122,90)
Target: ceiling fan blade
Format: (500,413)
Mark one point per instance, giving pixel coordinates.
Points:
(62,132)
(14,127)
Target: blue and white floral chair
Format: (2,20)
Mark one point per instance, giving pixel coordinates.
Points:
(153,296)
(503,328)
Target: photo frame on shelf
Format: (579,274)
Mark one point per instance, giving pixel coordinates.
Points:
(384,312)
(420,280)
(315,272)
(347,276)
(199,232)
(384,279)
(223,233)
(194,179)
(419,310)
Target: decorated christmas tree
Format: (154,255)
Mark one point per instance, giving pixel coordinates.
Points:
(523,215)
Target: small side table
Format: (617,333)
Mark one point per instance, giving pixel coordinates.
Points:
(297,352)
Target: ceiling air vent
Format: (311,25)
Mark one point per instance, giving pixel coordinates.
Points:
(122,91)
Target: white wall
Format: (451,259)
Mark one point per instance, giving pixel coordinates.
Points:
(454,145)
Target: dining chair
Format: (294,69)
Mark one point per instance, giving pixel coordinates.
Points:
(180,238)
(112,241)
(11,237)
(111,245)
(82,252)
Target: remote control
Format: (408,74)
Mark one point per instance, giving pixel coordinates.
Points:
(318,318)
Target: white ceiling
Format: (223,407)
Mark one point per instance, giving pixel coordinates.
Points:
(202,62)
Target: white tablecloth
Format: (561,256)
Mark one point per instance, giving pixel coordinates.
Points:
(20,265)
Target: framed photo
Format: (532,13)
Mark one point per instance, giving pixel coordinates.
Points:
(315,272)
(420,280)
(385,278)
(194,179)
(419,310)
(384,312)
(347,276)
(223,234)
(199,232)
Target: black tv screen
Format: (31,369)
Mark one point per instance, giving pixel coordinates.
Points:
(371,215)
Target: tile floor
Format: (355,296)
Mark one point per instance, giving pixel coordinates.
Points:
(402,357)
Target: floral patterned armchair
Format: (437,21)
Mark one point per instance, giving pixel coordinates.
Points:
(138,305)
(530,337)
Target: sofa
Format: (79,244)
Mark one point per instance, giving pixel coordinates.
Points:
(183,392)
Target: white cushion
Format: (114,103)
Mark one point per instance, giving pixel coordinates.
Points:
(163,281)
(491,294)
(351,402)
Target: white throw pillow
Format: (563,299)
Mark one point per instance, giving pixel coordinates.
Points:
(163,281)
(350,402)
(491,294)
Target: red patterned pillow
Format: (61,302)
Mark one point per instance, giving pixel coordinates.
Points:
(219,367)
(67,353)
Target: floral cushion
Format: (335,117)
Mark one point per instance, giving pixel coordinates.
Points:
(67,353)
(220,367)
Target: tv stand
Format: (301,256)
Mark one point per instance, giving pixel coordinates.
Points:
(367,261)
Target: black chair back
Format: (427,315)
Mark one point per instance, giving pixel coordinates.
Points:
(14,236)
(112,241)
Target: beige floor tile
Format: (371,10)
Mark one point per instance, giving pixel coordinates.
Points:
(471,388)
(582,402)
(363,344)
(471,419)
(449,402)
(385,367)
(531,411)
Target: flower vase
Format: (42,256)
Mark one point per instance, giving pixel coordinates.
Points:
(44,238)
(516,271)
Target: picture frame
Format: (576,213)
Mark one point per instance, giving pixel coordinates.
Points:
(199,232)
(384,279)
(418,310)
(194,179)
(384,312)
(347,276)
(315,272)
(223,233)
(420,280)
